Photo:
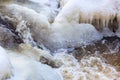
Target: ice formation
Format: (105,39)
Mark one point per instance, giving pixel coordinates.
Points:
(55,35)
(99,13)
(56,24)
(48,8)
(38,24)
(73,35)
(5,65)
(25,68)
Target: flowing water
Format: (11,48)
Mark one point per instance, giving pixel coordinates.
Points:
(60,40)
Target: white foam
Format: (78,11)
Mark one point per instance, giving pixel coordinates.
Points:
(88,68)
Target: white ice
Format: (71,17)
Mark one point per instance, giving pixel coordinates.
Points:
(5,65)
(88,11)
(25,68)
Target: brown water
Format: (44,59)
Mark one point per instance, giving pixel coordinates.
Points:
(108,49)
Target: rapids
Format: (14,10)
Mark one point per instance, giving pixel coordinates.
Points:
(59,40)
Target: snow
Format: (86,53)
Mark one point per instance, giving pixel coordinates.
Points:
(5,65)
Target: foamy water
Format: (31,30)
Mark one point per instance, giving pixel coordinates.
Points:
(88,68)
(41,37)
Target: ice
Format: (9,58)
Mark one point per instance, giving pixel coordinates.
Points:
(24,33)
(47,7)
(73,35)
(25,68)
(54,6)
(37,23)
(53,36)
(95,12)
(69,28)
(5,65)
(58,25)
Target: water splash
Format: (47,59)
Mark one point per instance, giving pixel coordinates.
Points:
(88,68)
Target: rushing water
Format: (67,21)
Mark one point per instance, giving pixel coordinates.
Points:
(60,40)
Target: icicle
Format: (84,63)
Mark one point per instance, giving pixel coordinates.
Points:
(100,11)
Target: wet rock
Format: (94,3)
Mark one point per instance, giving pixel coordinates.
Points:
(107,44)
(7,38)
